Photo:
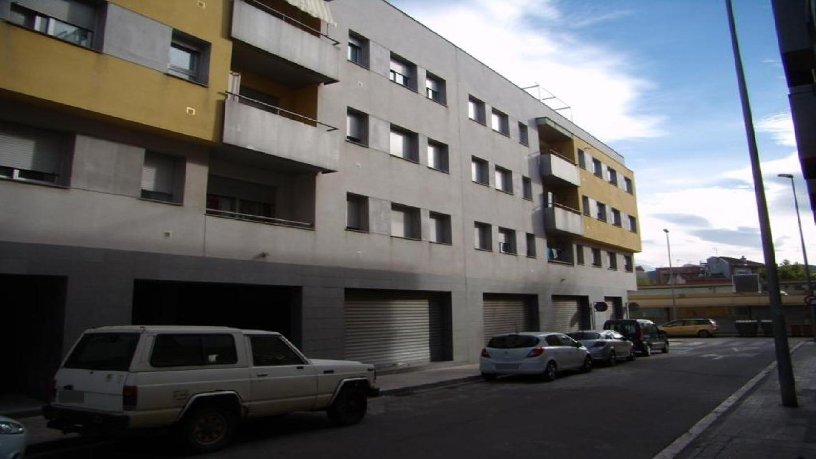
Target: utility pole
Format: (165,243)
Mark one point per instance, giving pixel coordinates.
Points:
(671,280)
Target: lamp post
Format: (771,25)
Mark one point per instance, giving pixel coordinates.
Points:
(804,254)
(671,280)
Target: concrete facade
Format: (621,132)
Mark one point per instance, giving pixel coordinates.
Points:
(258,214)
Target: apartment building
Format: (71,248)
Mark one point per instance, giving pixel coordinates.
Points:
(334,170)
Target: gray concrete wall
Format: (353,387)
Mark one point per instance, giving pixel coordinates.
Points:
(136,38)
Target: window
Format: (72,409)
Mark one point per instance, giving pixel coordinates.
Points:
(613,176)
(356,212)
(579,254)
(559,251)
(476,110)
(404,144)
(103,351)
(356,127)
(596,258)
(507,241)
(241,200)
(627,185)
(188,58)
(527,188)
(499,122)
(601,215)
(357,49)
(616,218)
(597,168)
(482,236)
(31,155)
(437,156)
(405,222)
(402,72)
(633,224)
(479,171)
(581,159)
(440,228)
(612,259)
(627,263)
(178,350)
(524,136)
(435,88)
(504,180)
(159,177)
(68,20)
(586,206)
(269,350)
(531,245)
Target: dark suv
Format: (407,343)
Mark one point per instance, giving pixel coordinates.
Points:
(644,334)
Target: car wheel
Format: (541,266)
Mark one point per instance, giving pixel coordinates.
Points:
(647,350)
(549,371)
(632,356)
(612,360)
(489,376)
(587,366)
(704,334)
(349,407)
(666,347)
(208,428)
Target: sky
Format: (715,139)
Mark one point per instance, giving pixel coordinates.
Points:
(655,80)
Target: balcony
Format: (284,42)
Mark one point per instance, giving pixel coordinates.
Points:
(558,171)
(300,54)
(254,125)
(562,219)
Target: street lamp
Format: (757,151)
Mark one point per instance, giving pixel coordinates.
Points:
(671,281)
(804,255)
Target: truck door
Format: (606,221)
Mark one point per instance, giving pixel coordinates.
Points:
(281,380)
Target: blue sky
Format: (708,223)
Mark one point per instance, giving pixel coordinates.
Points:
(655,80)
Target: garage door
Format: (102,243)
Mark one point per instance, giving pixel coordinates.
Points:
(388,331)
(564,316)
(506,314)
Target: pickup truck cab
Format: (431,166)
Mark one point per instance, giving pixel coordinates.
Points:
(201,380)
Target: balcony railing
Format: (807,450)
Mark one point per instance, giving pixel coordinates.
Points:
(259,219)
(274,109)
(556,170)
(562,219)
(290,20)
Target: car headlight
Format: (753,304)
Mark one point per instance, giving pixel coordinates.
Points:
(11,428)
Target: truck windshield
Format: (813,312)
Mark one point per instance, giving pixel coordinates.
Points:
(103,351)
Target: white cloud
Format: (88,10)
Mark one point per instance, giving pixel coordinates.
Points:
(780,127)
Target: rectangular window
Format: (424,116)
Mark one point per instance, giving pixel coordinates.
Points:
(188,58)
(476,110)
(504,180)
(613,176)
(597,168)
(527,188)
(437,156)
(440,228)
(402,72)
(601,212)
(32,155)
(581,159)
(479,171)
(531,245)
(524,136)
(616,218)
(435,88)
(579,254)
(627,263)
(159,174)
(633,224)
(499,122)
(627,185)
(507,241)
(357,51)
(596,258)
(404,144)
(482,236)
(356,212)
(270,350)
(356,127)
(180,350)
(405,222)
(612,258)
(586,206)
(68,20)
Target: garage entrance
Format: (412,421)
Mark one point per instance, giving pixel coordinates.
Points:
(568,313)
(508,314)
(245,306)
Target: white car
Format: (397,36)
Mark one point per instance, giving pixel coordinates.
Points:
(606,346)
(12,439)
(533,353)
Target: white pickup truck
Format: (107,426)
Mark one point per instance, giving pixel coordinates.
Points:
(202,380)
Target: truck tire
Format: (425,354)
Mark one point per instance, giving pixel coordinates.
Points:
(208,428)
(349,407)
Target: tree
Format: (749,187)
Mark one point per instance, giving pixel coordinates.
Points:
(791,271)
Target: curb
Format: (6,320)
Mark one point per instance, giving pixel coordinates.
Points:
(683,441)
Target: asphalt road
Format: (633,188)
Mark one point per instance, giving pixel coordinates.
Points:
(631,410)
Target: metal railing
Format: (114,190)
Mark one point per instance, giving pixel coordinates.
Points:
(562,206)
(558,153)
(290,20)
(258,219)
(275,110)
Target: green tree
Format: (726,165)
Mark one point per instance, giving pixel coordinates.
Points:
(791,271)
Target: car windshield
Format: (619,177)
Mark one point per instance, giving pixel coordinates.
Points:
(103,351)
(512,341)
(624,328)
(584,335)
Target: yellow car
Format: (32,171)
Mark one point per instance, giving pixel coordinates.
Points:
(704,328)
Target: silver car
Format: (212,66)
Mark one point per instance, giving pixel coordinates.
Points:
(533,353)
(606,346)
(12,438)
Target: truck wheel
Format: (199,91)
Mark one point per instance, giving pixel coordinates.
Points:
(349,407)
(208,428)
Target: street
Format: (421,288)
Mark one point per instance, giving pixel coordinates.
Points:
(632,410)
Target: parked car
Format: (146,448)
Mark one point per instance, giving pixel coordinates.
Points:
(704,328)
(606,346)
(13,439)
(533,353)
(643,333)
(202,380)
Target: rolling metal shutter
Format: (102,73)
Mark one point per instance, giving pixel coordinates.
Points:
(388,331)
(506,314)
(564,315)
(29,149)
